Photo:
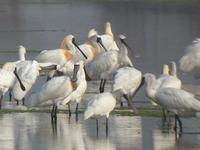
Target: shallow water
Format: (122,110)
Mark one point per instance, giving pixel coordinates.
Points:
(34,131)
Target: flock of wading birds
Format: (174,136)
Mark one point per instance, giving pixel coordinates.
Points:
(100,58)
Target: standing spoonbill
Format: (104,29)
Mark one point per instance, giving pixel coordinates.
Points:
(101,105)
(105,64)
(7,79)
(169,79)
(128,80)
(172,99)
(58,89)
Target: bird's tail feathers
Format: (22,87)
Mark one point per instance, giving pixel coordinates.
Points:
(88,113)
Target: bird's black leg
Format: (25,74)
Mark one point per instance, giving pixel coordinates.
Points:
(102,85)
(104,82)
(69,111)
(17,102)
(163,116)
(180,123)
(23,101)
(97,127)
(77,112)
(10,96)
(101,90)
(180,126)
(1,98)
(54,113)
(121,104)
(106,126)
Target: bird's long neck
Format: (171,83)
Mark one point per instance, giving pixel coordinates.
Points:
(173,70)
(81,75)
(165,70)
(22,55)
(151,88)
(108,30)
(123,56)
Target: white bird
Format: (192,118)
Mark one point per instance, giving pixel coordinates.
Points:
(91,49)
(21,53)
(172,99)
(127,79)
(168,79)
(60,56)
(108,38)
(7,78)
(28,71)
(191,59)
(105,64)
(101,105)
(58,89)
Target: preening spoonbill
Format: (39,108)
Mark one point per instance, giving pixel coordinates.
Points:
(80,83)
(58,89)
(128,80)
(101,105)
(21,53)
(172,99)
(28,72)
(90,48)
(105,64)
(7,78)
(191,59)
(60,56)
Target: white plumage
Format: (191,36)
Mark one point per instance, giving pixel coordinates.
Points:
(100,105)
(54,90)
(60,90)
(81,84)
(59,56)
(90,48)
(108,38)
(28,72)
(128,80)
(169,77)
(106,63)
(191,58)
(177,100)
(7,77)
(172,99)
